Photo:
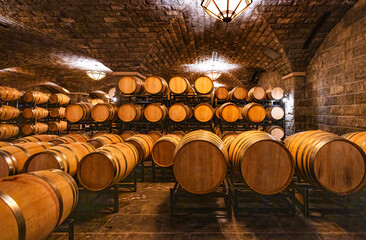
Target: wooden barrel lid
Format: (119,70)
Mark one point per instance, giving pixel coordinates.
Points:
(163,151)
(258,93)
(155,135)
(277,93)
(256,113)
(221,93)
(276,113)
(127,112)
(153,112)
(100,112)
(28,113)
(178,85)
(128,84)
(154,84)
(230,112)
(43,160)
(203,112)
(277,132)
(178,112)
(203,85)
(74,112)
(239,93)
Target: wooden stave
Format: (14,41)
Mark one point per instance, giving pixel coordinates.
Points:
(221,93)
(179,133)
(57,112)
(201,89)
(37,128)
(144,145)
(139,112)
(163,89)
(71,138)
(233,96)
(36,97)
(358,138)
(139,88)
(4,144)
(171,138)
(188,112)
(221,109)
(8,94)
(36,138)
(126,134)
(112,109)
(105,139)
(8,112)
(36,113)
(85,109)
(155,135)
(59,98)
(270,96)
(269,130)
(8,131)
(199,106)
(245,111)
(57,126)
(163,109)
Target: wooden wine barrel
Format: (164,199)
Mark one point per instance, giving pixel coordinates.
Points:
(35,97)
(358,138)
(78,112)
(275,93)
(229,139)
(228,112)
(179,85)
(8,112)
(155,135)
(155,112)
(65,157)
(180,112)
(131,85)
(238,93)
(34,204)
(59,98)
(8,131)
(130,112)
(254,112)
(57,126)
(95,101)
(156,85)
(105,139)
(71,138)
(164,148)
(8,94)
(227,134)
(203,85)
(275,131)
(200,162)
(180,134)
(256,93)
(216,112)
(104,112)
(13,158)
(4,144)
(37,128)
(36,138)
(203,112)
(328,161)
(36,113)
(107,166)
(221,93)
(269,172)
(127,134)
(57,112)
(144,145)
(275,113)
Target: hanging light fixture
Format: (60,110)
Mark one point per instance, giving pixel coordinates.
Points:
(96,75)
(225,10)
(213,75)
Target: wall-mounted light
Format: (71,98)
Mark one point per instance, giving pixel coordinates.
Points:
(225,10)
(96,75)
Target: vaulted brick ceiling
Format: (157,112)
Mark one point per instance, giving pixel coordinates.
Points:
(157,37)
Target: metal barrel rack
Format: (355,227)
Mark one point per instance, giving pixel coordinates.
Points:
(68,227)
(162,173)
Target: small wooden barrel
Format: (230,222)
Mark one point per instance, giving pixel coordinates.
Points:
(179,85)
(127,134)
(8,131)
(8,94)
(57,126)
(328,161)
(104,112)
(78,112)
(264,162)
(105,139)
(203,112)
(275,93)
(36,113)
(275,113)
(238,93)
(33,205)
(155,135)
(71,138)
(155,112)
(57,112)
(144,145)
(203,85)
(221,93)
(254,112)
(179,112)
(229,139)
(156,85)
(228,112)
(200,162)
(256,93)
(35,97)
(180,134)
(8,112)
(131,85)
(13,158)
(107,166)
(358,138)
(130,112)
(164,148)
(227,134)
(276,131)
(4,144)
(36,138)
(37,128)
(65,157)
(59,98)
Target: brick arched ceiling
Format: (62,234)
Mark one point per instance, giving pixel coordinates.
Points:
(157,37)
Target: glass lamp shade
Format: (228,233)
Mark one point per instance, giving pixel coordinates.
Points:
(225,10)
(213,75)
(96,75)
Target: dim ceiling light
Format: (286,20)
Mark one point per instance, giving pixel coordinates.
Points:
(213,75)
(225,10)
(96,75)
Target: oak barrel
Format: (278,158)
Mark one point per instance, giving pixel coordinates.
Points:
(164,148)
(130,112)
(203,85)
(221,93)
(57,112)
(179,85)
(179,112)
(143,143)
(275,93)
(95,101)
(59,98)
(36,113)
(226,134)
(155,112)
(36,138)
(105,139)
(238,93)
(357,137)
(228,112)
(8,131)
(203,112)
(256,93)
(78,112)
(36,97)
(126,134)
(131,85)
(37,128)
(156,85)
(4,144)
(275,113)
(254,112)
(8,112)
(179,133)
(71,138)
(275,131)
(229,139)
(57,126)
(104,112)
(155,135)
(8,94)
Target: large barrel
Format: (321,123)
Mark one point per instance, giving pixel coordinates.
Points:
(227,134)
(59,98)
(144,145)
(105,139)
(221,93)
(156,85)
(179,85)
(8,112)
(8,131)
(275,93)
(256,93)
(107,166)
(254,112)
(264,162)
(238,93)
(33,205)
(203,112)
(275,113)
(36,138)
(13,158)
(36,113)
(357,137)
(275,131)
(8,94)
(57,112)
(127,134)
(64,157)
(71,138)
(328,161)
(35,97)
(130,112)
(228,112)
(203,85)
(131,85)
(164,148)
(78,112)
(37,128)
(155,135)
(229,139)
(104,112)
(200,162)
(4,144)
(180,134)
(179,112)
(57,126)
(155,112)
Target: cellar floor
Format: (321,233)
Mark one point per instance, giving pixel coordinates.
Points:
(145,215)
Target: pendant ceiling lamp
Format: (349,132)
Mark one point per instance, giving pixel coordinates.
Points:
(213,75)
(225,10)
(96,75)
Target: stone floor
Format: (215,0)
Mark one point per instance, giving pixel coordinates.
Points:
(145,214)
